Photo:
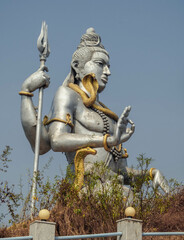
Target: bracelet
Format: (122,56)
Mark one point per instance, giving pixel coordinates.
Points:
(105,143)
(150,173)
(125,155)
(26,93)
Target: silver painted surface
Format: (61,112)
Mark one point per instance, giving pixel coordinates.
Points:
(90,57)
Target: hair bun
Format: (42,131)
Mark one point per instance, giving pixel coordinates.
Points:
(90,30)
(90,39)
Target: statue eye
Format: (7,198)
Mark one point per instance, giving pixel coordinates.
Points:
(100,64)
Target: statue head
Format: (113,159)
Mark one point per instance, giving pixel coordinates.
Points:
(90,57)
(90,43)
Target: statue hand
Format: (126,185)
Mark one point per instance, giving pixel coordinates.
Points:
(122,133)
(129,131)
(36,80)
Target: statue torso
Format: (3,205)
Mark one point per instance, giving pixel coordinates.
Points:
(87,121)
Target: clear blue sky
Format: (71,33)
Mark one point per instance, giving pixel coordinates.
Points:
(145,40)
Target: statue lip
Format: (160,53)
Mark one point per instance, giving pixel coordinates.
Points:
(104,79)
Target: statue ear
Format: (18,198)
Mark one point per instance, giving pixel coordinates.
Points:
(75,65)
(75,70)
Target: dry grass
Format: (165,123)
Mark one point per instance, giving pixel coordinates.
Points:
(86,215)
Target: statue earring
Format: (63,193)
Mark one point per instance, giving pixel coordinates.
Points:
(77,76)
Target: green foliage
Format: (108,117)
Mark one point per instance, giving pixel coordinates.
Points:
(12,201)
(141,186)
(147,199)
(8,197)
(46,192)
(106,187)
(4,159)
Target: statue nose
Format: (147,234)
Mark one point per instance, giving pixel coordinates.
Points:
(107,70)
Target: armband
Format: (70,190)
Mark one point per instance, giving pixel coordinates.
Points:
(26,93)
(150,173)
(67,122)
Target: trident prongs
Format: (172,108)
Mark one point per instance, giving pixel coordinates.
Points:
(42,42)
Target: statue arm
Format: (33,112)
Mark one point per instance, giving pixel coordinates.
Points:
(28,112)
(61,137)
(155,175)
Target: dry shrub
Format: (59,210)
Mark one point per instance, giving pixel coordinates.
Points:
(172,219)
(87,214)
(163,238)
(16,230)
(83,215)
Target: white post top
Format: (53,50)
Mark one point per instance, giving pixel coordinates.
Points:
(129,219)
(42,222)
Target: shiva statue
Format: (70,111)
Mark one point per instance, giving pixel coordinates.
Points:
(78,124)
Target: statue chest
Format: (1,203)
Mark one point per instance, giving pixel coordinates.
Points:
(88,120)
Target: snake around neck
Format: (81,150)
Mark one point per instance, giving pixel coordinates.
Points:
(91,85)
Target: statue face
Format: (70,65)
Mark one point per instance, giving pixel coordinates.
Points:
(99,65)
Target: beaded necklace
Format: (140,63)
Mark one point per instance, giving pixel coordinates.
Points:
(117,153)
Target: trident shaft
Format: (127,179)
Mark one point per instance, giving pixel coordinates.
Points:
(43,47)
